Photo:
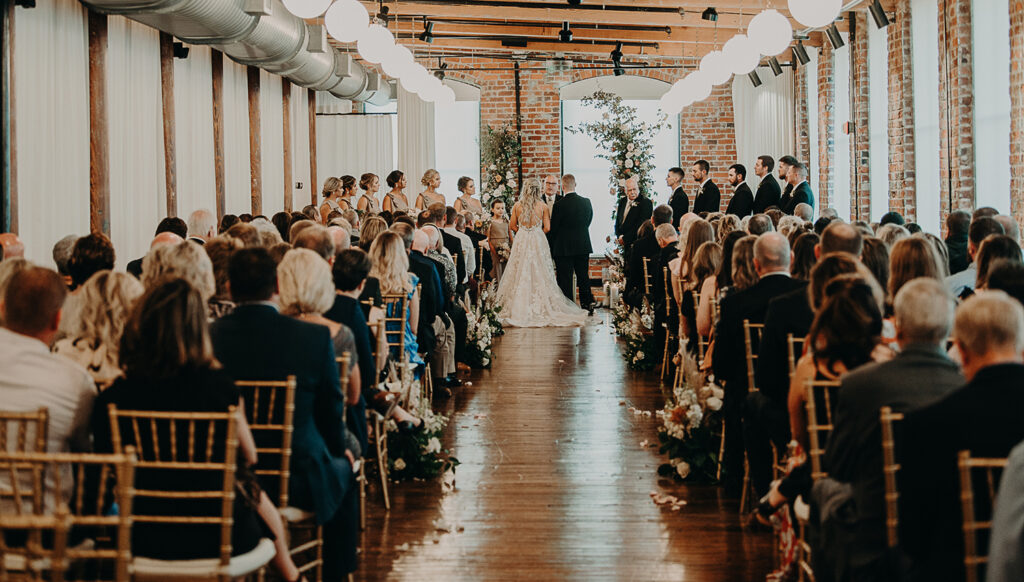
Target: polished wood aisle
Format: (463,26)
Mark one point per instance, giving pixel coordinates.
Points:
(555,483)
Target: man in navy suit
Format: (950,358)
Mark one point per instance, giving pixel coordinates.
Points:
(708,197)
(768,192)
(255,342)
(742,201)
(801,192)
(571,248)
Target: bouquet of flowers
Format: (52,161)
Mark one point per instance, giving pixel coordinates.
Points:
(503,250)
(501,154)
(481,329)
(691,425)
(419,455)
(635,327)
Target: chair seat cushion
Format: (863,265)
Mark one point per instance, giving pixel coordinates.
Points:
(150,569)
(296,515)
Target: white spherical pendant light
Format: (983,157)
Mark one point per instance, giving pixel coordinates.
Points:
(306,8)
(414,80)
(448,96)
(740,54)
(398,61)
(698,87)
(815,13)
(346,20)
(433,90)
(770,32)
(375,43)
(715,68)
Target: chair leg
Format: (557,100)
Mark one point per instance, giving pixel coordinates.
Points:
(382,463)
(721,451)
(362,497)
(664,357)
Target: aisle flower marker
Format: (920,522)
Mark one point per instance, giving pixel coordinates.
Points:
(691,426)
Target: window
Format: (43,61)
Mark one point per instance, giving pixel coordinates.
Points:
(924,15)
(878,119)
(841,163)
(991,37)
(811,71)
(457,144)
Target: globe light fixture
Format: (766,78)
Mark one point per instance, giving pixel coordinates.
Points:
(398,61)
(740,55)
(306,8)
(415,80)
(815,13)
(770,32)
(346,20)
(698,87)
(375,43)
(715,67)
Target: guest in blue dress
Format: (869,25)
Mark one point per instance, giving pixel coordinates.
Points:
(391,268)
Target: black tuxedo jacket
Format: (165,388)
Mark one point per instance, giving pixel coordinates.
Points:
(627,226)
(742,202)
(656,268)
(729,360)
(768,194)
(787,196)
(787,314)
(644,247)
(801,194)
(983,417)
(255,342)
(570,226)
(454,246)
(709,199)
(680,204)
(432,298)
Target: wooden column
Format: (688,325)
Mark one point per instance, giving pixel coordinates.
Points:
(99,144)
(313,183)
(255,164)
(217,63)
(167,100)
(9,196)
(286,126)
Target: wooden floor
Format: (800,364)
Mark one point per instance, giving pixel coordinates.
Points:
(555,483)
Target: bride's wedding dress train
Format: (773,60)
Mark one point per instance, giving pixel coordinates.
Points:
(528,293)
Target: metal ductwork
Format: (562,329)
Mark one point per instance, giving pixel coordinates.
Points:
(260,33)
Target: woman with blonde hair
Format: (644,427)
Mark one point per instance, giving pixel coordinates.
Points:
(185,260)
(93,330)
(333,192)
(729,223)
(370,230)
(700,232)
(707,264)
(432,181)
(370,185)
(391,269)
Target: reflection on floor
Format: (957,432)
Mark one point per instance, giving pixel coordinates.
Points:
(554,483)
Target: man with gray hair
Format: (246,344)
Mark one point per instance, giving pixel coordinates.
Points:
(983,417)
(317,239)
(342,240)
(202,226)
(920,374)
(62,255)
(771,261)
(760,224)
(632,211)
(804,212)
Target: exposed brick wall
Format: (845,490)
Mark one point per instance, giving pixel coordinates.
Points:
(826,133)
(860,150)
(1017,109)
(803,134)
(956,108)
(901,116)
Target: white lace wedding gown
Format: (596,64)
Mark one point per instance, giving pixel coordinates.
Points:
(528,294)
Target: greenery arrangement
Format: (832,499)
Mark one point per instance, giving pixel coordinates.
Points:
(691,426)
(483,327)
(419,455)
(501,155)
(634,326)
(628,142)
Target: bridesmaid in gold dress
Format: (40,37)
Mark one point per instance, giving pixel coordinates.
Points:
(396,200)
(370,184)
(466,202)
(432,180)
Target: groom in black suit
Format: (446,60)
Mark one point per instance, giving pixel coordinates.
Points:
(768,191)
(570,241)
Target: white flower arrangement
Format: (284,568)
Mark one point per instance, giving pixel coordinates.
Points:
(690,420)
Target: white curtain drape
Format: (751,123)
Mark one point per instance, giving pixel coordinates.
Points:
(764,118)
(272,146)
(193,125)
(355,144)
(924,34)
(991,46)
(51,93)
(137,175)
(415,139)
(300,148)
(878,119)
(237,174)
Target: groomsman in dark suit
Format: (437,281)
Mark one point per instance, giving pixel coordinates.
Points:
(742,201)
(768,191)
(708,198)
(679,201)
(802,194)
(571,248)
(633,210)
(785,163)
(552,193)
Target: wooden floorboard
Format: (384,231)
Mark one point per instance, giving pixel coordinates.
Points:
(554,483)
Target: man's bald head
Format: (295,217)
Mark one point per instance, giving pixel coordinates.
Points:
(771,253)
(12,245)
(165,238)
(420,241)
(840,237)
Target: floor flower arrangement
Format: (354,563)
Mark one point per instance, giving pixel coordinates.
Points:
(691,426)
(419,454)
(483,326)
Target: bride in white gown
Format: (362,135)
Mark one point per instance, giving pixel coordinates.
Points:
(528,294)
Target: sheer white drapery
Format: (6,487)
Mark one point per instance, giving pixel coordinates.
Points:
(299,107)
(137,185)
(991,39)
(764,119)
(841,165)
(416,142)
(237,174)
(878,119)
(51,93)
(193,128)
(272,146)
(810,70)
(355,144)
(924,34)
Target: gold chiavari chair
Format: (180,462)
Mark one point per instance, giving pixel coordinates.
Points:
(702,342)
(670,334)
(818,398)
(203,446)
(24,432)
(52,495)
(796,349)
(270,411)
(647,278)
(987,471)
(378,433)
(751,338)
(889,469)
(480,268)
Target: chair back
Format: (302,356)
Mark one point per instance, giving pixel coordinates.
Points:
(270,411)
(24,432)
(702,342)
(46,496)
(796,349)
(395,322)
(818,398)
(480,265)
(647,277)
(751,339)
(979,482)
(185,482)
(889,469)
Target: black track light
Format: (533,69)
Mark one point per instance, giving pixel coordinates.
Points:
(800,53)
(878,14)
(565,35)
(754,79)
(709,14)
(775,66)
(834,38)
(179,50)
(574,2)
(616,56)
(427,35)
(440,72)
(382,15)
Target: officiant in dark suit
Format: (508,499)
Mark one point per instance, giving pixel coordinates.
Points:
(742,201)
(552,193)
(679,201)
(768,191)
(802,194)
(709,197)
(633,210)
(571,248)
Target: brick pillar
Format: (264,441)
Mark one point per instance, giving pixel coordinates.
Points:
(1017,109)
(956,107)
(860,150)
(803,138)
(902,197)
(826,115)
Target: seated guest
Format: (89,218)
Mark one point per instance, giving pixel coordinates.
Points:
(706,266)
(804,245)
(668,241)
(92,334)
(171,225)
(994,248)
(1004,275)
(92,253)
(11,246)
(941,252)
(920,374)
(185,260)
(982,417)
(247,233)
(451,246)
(340,237)
(202,226)
(1005,560)
(433,322)
(8,269)
(62,255)
(962,283)
(226,222)
(391,268)
(892,217)
(220,249)
(1010,225)
(875,257)
(169,366)
(760,224)
(451,218)
(909,259)
(645,247)
(372,227)
(804,211)
(697,232)
(255,342)
(317,239)
(957,225)
(282,220)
